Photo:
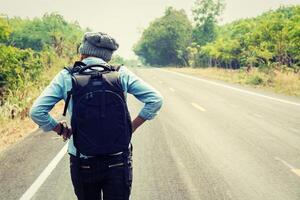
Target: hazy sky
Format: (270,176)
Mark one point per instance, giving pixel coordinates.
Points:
(125,19)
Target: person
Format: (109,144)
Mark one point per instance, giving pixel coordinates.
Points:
(96,177)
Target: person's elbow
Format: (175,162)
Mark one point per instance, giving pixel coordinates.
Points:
(34,113)
(157,104)
(42,119)
(159,101)
(151,108)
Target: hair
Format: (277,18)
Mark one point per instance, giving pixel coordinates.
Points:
(83,56)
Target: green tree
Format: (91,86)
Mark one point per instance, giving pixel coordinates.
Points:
(205,13)
(31,51)
(4,29)
(271,39)
(117,60)
(50,31)
(164,42)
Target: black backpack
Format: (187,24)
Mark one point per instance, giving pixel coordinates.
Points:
(100,121)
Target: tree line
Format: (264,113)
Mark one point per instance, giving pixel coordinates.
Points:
(269,40)
(30,50)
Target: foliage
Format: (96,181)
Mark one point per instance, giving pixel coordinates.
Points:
(51,31)
(31,53)
(205,13)
(119,60)
(255,80)
(271,39)
(164,42)
(4,29)
(18,66)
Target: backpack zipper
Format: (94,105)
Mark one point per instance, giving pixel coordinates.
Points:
(115,165)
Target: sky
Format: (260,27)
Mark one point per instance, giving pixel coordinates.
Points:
(126,19)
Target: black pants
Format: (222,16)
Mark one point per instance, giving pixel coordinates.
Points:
(107,178)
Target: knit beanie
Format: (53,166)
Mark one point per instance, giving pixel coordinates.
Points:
(98,44)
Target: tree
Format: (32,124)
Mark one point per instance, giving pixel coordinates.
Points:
(50,31)
(164,42)
(205,13)
(117,60)
(271,39)
(4,29)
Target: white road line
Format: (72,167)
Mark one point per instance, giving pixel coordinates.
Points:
(296,171)
(233,88)
(44,175)
(285,163)
(171,89)
(291,167)
(198,107)
(160,82)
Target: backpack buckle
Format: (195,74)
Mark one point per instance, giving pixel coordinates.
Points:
(96,75)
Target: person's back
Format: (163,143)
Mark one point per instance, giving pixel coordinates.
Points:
(106,173)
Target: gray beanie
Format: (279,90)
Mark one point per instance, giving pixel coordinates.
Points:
(98,44)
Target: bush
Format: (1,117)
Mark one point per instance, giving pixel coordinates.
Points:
(18,66)
(255,80)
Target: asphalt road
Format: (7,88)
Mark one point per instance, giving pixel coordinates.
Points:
(211,141)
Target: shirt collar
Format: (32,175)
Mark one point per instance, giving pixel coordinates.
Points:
(93,60)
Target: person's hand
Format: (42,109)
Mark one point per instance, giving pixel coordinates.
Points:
(133,127)
(138,121)
(63,130)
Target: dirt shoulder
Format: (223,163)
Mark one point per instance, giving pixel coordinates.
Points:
(287,83)
(15,130)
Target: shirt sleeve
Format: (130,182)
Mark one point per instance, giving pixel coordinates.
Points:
(40,109)
(151,98)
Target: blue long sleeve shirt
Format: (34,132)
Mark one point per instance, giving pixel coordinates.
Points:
(61,84)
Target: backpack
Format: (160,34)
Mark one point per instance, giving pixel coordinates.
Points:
(101,123)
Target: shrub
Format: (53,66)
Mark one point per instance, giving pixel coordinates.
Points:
(255,80)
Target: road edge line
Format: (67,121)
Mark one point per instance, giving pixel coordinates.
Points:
(44,175)
(232,88)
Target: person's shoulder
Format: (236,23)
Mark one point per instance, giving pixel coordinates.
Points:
(63,75)
(66,70)
(126,76)
(125,70)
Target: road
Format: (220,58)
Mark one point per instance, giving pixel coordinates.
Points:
(211,141)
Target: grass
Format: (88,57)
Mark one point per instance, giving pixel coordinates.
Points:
(287,83)
(14,119)
(12,131)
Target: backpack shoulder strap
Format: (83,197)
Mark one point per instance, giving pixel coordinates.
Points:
(71,69)
(75,67)
(112,78)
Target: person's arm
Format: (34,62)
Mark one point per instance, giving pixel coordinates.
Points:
(151,98)
(40,109)
(137,122)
